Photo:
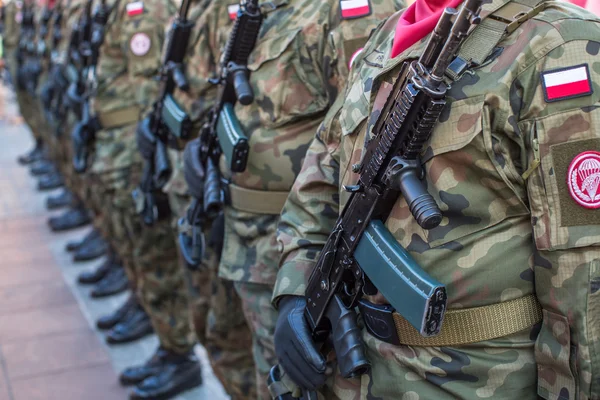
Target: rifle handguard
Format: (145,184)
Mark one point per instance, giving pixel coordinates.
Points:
(162,165)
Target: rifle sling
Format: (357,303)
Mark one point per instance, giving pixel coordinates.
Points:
(256,201)
(120,117)
(505,19)
(460,326)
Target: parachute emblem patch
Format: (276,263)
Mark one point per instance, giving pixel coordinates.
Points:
(567,83)
(355,8)
(140,44)
(583,179)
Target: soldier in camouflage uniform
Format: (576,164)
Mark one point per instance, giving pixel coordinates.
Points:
(508,163)
(61,126)
(10,36)
(215,308)
(299,64)
(129,60)
(27,103)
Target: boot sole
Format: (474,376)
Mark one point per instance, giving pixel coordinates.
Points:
(129,339)
(188,385)
(68,228)
(88,258)
(107,294)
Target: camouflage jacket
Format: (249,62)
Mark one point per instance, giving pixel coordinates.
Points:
(10,36)
(130,58)
(502,236)
(298,66)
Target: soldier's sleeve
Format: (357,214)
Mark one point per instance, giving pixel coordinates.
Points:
(143,39)
(311,209)
(557,100)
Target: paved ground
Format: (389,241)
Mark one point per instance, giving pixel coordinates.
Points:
(49,349)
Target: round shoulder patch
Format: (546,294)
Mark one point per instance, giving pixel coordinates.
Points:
(140,44)
(583,179)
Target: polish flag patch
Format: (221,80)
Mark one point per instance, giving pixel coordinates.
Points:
(583,179)
(355,8)
(567,83)
(135,8)
(233,9)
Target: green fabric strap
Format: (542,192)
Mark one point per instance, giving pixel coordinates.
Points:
(503,19)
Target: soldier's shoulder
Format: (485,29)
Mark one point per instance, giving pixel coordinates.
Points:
(559,23)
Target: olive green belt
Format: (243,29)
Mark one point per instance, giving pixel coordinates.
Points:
(256,201)
(120,117)
(465,325)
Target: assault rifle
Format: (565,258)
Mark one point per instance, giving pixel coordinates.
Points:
(361,257)
(167,121)
(222,133)
(84,131)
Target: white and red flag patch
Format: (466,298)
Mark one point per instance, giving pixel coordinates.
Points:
(567,83)
(233,9)
(135,8)
(355,8)
(583,179)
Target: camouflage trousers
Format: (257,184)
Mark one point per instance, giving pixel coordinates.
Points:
(497,369)
(31,112)
(148,253)
(261,317)
(218,320)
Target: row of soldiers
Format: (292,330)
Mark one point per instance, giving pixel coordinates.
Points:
(87,73)
(451,178)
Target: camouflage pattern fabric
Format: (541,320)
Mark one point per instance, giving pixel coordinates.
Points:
(28,104)
(216,312)
(297,68)
(129,58)
(215,308)
(502,236)
(61,142)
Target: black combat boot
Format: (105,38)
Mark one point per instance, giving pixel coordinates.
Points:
(91,250)
(71,219)
(65,199)
(42,167)
(110,320)
(179,372)
(77,244)
(36,154)
(135,325)
(50,181)
(96,275)
(137,374)
(114,282)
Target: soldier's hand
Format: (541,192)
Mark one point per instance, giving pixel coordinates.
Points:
(296,350)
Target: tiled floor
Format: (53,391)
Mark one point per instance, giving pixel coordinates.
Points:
(48,347)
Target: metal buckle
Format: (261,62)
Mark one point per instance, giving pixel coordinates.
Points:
(379,321)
